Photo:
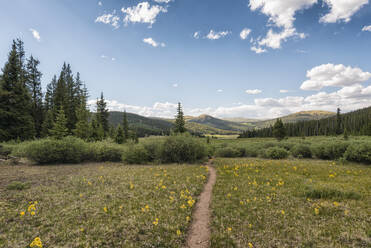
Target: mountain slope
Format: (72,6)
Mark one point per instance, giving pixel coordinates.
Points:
(218,123)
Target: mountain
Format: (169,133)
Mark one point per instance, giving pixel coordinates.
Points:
(218,123)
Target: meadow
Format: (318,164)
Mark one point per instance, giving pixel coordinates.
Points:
(291,203)
(97,205)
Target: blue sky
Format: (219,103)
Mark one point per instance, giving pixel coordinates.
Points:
(241,58)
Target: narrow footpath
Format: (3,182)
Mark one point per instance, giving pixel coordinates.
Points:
(199,233)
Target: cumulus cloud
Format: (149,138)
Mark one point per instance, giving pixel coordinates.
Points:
(175,85)
(162,1)
(253,92)
(220,90)
(281,14)
(196,35)
(366,28)
(111,19)
(284,91)
(35,34)
(212,35)
(334,75)
(342,10)
(100,3)
(142,13)
(153,43)
(244,33)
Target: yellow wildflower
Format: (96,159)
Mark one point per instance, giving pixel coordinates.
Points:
(282,212)
(229,229)
(155,222)
(336,204)
(188,218)
(250,245)
(36,243)
(22,213)
(316,211)
(105,209)
(178,232)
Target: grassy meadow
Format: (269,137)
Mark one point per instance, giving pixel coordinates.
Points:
(291,203)
(97,205)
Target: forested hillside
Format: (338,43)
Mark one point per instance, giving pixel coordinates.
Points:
(356,123)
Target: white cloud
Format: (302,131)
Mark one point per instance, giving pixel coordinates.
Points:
(196,35)
(220,90)
(35,34)
(281,14)
(142,13)
(253,92)
(100,3)
(111,19)
(103,56)
(244,33)
(342,10)
(175,85)
(153,43)
(258,50)
(334,75)
(113,59)
(212,35)
(366,28)
(284,91)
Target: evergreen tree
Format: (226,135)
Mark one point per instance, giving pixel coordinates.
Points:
(125,126)
(15,101)
(82,129)
(33,83)
(338,122)
(120,136)
(49,95)
(48,124)
(97,132)
(112,132)
(60,129)
(179,121)
(102,114)
(279,130)
(346,136)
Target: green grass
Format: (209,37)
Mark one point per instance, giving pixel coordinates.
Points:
(98,205)
(302,203)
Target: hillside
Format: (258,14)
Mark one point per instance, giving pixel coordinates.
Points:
(218,123)
(299,116)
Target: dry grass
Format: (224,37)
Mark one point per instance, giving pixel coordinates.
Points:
(98,205)
(302,203)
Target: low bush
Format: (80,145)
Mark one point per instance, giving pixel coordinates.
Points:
(275,153)
(104,151)
(17,186)
(5,150)
(135,154)
(252,151)
(329,193)
(301,151)
(359,153)
(330,150)
(229,152)
(183,149)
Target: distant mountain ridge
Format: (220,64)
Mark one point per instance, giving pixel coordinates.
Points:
(206,124)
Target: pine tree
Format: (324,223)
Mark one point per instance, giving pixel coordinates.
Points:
(82,129)
(49,95)
(338,122)
(33,83)
(125,126)
(48,123)
(102,114)
(179,121)
(346,136)
(279,130)
(97,132)
(120,136)
(15,101)
(60,129)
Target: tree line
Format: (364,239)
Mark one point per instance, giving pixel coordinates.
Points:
(353,123)
(27,113)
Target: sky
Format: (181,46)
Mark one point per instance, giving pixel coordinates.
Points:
(227,58)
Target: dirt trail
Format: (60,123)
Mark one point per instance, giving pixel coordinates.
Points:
(199,234)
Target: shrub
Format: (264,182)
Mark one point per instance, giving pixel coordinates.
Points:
(252,151)
(66,150)
(153,149)
(182,149)
(275,153)
(330,150)
(135,154)
(229,152)
(301,151)
(359,153)
(5,150)
(17,186)
(329,193)
(104,151)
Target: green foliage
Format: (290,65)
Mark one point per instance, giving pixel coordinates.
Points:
(82,129)
(48,124)
(346,136)
(97,132)
(105,151)
(179,126)
(17,186)
(301,151)
(125,126)
(102,114)
(275,153)
(136,154)
(279,131)
(330,193)
(330,150)
(359,152)
(59,129)
(229,152)
(183,149)
(120,135)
